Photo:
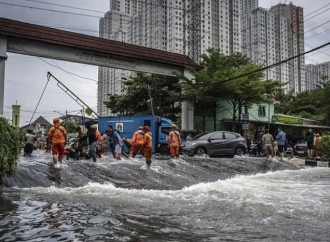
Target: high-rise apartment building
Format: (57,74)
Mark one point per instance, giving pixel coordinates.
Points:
(317,74)
(187,27)
(248,5)
(295,42)
(272,36)
(265,44)
(114,25)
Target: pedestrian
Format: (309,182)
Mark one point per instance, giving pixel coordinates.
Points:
(267,143)
(58,136)
(174,142)
(318,139)
(281,142)
(92,139)
(29,143)
(137,141)
(104,142)
(117,142)
(147,145)
(189,136)
(309,138)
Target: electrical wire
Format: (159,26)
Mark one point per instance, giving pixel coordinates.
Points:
(276,64)
(21,84)
(39,101)
(65,6)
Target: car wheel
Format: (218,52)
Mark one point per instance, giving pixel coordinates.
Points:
(164,150)
(239,151)
(200,151)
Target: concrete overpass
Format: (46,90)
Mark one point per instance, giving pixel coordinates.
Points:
(35,40)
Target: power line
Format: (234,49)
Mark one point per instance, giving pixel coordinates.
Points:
(317,10)
(65,6)
(61,68)
(21,84)
(276,64)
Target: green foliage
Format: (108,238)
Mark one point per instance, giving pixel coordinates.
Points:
(324,147)
(210,85)
(9,148)
(311,104)
(165,93)
(69,126)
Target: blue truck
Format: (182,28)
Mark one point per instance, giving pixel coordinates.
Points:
(127,125)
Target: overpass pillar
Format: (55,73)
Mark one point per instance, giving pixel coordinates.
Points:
(3,58)
(187,111)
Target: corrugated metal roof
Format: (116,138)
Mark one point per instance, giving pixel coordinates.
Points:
(13,28)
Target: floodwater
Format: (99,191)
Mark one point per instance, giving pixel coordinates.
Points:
(194,199)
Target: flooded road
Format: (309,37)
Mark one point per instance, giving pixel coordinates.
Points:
(195,199)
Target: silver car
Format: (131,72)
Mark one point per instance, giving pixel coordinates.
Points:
(220,143)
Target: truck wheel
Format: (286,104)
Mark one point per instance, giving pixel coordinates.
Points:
(164,150)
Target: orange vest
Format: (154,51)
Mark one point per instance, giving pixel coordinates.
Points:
(147,140)
(138,137)
(57,134)
(174,138)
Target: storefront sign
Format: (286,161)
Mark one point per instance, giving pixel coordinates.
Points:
(287,120)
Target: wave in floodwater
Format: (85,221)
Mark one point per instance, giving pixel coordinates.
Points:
(196,199)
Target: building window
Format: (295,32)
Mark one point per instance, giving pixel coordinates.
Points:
(262,111)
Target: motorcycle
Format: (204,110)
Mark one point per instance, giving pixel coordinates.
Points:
(71,149)
(255,148)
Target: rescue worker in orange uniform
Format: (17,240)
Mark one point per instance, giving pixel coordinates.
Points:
(174,142)
(58,136)
(137,141)
(147,145)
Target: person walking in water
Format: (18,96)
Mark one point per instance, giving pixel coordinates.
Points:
(267,143)
(174,142)
(309,138)
(147,145)
(93,138)
(281,139)
(117,142)
(58,136)
(29,143)
(137,141)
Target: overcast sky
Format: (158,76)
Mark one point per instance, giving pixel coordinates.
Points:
(26,76)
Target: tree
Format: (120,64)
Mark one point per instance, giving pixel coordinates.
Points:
(246,90)
(164,91)
(70,126)
(206,89)
(9,148)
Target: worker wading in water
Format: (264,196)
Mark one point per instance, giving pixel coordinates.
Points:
(174,142)
(147,145)
(58,136)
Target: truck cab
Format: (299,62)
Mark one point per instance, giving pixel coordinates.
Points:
(127,125)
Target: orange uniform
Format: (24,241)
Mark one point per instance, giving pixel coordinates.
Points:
(137,142)
(317,144)
(174,142)
(147,145)
(57,134)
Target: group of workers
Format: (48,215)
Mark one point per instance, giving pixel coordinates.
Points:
(100,144)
